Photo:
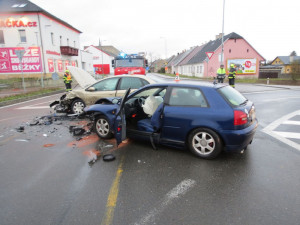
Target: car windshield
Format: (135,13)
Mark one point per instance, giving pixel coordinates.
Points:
(232,95)
(129,63)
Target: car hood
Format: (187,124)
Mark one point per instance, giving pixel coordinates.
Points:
(82,77)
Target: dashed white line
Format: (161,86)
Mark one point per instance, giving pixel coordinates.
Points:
(176,192)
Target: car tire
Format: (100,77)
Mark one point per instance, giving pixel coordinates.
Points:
(205,143)
(102,127)
(77,106)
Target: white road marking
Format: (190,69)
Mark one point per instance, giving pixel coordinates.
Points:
(34,106)
(176,192)
(291,122)
(2,107)
(288,134)
(282,136)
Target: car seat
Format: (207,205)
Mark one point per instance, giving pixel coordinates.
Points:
(152,124)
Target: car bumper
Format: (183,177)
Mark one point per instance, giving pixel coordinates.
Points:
(238,140)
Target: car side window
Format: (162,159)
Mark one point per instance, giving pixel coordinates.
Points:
(106,85)
(187,97)
(130,82)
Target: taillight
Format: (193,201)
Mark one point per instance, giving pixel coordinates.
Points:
(240,118)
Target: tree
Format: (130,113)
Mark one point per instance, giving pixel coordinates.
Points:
(295,68)
(293,53)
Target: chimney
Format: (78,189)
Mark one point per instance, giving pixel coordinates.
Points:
(291,59)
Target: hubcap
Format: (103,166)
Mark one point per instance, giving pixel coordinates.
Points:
(102,127)
(78,107)
(203,143)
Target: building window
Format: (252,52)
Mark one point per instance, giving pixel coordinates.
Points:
(60,40)
(247,50)
(200,69)
(1,37)
(22,36)
(229,50)
(74,44)
(52,38)
(67,41)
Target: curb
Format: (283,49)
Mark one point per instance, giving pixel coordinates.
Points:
(11,102)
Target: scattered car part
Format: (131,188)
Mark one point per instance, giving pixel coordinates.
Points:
(108,157)
(20,129)
(78,131)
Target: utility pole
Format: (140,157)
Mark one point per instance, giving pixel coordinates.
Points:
(222,53)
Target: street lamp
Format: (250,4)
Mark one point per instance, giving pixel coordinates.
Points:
(102,55)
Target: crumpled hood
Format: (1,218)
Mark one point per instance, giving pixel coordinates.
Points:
(82,77)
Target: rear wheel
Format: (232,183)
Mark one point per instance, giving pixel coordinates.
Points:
(102,127)
(205,143)
(77,106)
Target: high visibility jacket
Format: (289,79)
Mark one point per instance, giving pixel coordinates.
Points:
(67,78)
(232,73)
(221,73)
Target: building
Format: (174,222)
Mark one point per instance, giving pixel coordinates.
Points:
(237,50)
(285,62)
(47,43)
(102,58)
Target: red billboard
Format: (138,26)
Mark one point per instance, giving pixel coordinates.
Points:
(50,65)
(10,63)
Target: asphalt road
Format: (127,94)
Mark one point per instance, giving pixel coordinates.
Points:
(49,177)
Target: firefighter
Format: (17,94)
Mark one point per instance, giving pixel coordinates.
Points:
(68,80)
(221,74)
(231,75)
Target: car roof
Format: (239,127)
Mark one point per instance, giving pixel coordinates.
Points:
(194,84)
(139,76)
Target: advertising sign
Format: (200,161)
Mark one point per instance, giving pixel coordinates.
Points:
(50,65)
(60,66)
(66,64)
(73,63)
(10,62)
(243,66)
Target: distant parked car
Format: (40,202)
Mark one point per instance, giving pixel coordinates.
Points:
(75,100)
(205,117)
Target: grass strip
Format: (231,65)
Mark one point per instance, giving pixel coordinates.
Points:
(29,94)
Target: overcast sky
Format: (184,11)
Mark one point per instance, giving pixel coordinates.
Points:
(160,27)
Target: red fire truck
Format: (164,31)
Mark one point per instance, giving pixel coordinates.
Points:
(130,64)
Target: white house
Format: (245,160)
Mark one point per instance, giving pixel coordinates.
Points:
(49,44)
(102,58)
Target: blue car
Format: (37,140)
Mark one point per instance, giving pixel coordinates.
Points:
(205,117)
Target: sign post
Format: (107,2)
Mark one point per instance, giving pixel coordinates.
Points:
(209,55)
(20,54)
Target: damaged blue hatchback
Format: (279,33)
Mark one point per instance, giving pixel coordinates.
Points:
(207,118)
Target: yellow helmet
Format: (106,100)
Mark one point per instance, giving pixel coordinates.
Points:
(231,65)
(67,71)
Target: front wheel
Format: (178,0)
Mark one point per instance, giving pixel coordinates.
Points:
(102,127)
(77,106)
(205,143)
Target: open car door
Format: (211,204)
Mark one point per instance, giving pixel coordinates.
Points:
(120,121)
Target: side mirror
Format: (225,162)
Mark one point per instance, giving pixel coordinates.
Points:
(91,89)
(146,63)
(113,63)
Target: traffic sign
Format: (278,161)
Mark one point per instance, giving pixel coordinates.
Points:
(209,54)
(20,53)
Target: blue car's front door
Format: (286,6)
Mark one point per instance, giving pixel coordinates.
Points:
(120,121)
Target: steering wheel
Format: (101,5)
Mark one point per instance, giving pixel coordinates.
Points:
(141,101)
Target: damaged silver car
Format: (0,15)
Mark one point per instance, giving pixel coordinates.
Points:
(91,90)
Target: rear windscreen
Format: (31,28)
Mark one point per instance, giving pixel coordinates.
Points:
(234,97)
